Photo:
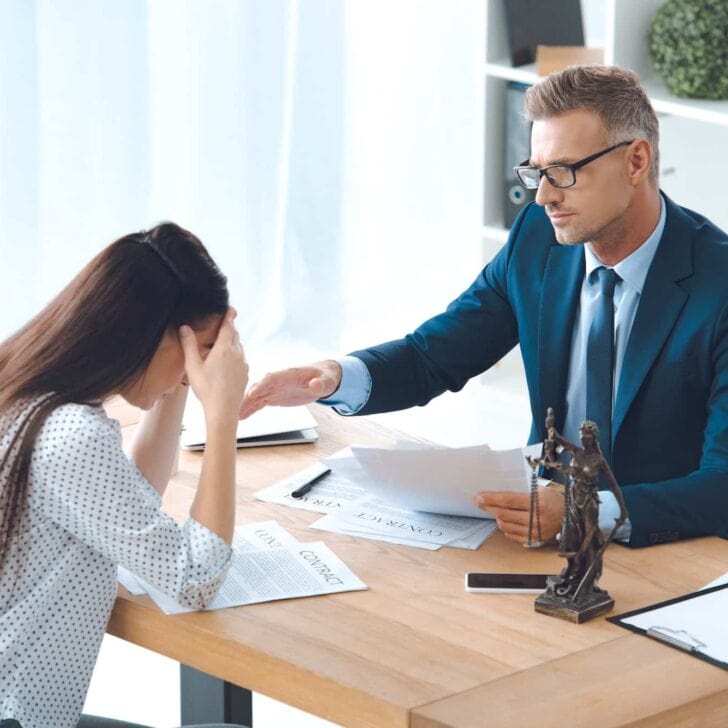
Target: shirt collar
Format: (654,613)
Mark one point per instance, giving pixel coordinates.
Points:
(633,269)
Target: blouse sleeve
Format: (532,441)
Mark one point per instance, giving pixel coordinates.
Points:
(81,480)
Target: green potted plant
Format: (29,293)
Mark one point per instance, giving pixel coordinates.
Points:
(688,47)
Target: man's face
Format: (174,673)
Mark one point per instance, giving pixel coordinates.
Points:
(592,209)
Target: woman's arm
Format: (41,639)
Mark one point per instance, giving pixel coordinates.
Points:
(156,440)
(82,481)
(219,382)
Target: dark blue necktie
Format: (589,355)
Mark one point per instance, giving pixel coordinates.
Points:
(600,359)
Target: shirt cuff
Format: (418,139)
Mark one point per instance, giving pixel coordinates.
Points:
(210,554)
(354,389)
(608,513)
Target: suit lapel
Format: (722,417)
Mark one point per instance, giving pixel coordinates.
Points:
(563,276)
(660,304)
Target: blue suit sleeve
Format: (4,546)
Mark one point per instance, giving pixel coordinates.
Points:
(477,330)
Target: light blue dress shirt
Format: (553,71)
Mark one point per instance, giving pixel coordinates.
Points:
(356,382)
(632,272)
(354,388)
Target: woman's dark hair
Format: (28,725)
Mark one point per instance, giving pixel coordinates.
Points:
(97,336)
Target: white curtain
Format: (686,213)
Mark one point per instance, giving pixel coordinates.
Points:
(328,152)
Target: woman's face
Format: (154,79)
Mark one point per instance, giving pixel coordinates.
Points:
(166,370)
(587,438)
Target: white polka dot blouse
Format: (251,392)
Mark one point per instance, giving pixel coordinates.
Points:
(89,509)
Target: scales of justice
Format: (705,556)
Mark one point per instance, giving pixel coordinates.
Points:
(573,594)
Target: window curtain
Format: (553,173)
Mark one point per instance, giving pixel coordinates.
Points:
(328,152)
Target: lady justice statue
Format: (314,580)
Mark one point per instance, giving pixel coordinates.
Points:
(573,594)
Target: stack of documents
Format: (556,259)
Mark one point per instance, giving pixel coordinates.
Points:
(269,426)
(372,518)
(413,495)
(267,564)
(444,480)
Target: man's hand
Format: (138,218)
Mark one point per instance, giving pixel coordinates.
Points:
(511,512)
(290,387)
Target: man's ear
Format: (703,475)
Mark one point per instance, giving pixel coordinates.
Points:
(639,161)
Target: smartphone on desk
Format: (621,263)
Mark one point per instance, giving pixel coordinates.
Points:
(505,583)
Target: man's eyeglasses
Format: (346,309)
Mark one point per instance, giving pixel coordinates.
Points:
(559,175)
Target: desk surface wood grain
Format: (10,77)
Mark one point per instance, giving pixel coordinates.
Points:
(415,648)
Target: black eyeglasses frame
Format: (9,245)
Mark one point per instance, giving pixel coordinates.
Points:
(544,171)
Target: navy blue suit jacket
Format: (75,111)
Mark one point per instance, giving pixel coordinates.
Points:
(670,428)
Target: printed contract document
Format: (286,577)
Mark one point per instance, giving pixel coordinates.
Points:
(267,564)
(344,496)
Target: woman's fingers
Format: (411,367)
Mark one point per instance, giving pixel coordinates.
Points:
(188,340)
(220,377)
(227,334)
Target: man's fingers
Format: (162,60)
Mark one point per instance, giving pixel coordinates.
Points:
(250,408)
(513,530)
(512,527)
(518,538)
(513,523)
(286,388)
(253,392)
(511,517)
(503,499)
(262,390)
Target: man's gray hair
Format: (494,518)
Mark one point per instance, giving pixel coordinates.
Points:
(614,93)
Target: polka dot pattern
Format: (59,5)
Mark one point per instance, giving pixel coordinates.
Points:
(89,509)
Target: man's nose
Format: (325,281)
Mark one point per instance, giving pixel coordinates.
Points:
(547,194)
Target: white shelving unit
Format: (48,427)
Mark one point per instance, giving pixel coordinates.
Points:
(694,133)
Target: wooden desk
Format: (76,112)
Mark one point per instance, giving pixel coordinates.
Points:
(416,649)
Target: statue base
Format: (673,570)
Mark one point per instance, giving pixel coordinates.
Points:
(584,608)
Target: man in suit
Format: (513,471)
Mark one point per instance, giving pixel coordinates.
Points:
(618,299)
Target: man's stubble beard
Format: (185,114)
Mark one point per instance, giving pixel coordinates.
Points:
(566,237)
(581,236)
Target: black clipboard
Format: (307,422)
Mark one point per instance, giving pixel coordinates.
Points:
(679,639)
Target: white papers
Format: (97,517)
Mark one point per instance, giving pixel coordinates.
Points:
(343,496)
(130,582)
(429,479)
(374,516)
(444,480)
(268,426)
(330,494)
(371,518)
(269,564)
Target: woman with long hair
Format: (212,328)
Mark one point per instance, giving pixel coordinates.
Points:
(145,318)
